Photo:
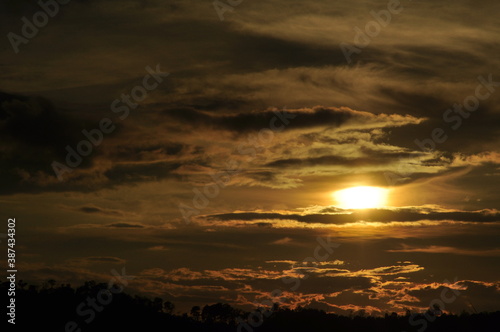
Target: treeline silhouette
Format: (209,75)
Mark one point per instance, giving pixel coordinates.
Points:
(95,307)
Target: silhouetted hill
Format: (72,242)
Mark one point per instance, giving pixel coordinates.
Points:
(94,307)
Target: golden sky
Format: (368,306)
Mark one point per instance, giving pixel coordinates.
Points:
(217,147)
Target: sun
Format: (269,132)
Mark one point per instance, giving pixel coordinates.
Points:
(363,197)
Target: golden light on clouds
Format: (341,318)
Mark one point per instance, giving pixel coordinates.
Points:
(362,197)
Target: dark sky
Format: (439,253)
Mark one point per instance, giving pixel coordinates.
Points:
(213,179)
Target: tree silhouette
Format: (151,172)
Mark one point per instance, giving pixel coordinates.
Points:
(196,312)
(168,307)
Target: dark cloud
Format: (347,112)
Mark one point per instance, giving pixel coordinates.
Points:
(376,215)
(42,132)
(371,158)
(98,210)
(113,260)
(297,119)
(32,123)
(124,225)
(147,152)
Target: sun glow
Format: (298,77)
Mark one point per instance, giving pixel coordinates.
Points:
(363,197)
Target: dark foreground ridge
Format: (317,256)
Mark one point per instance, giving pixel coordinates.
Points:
(96,307)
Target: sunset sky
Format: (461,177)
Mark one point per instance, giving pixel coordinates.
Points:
(216,184)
